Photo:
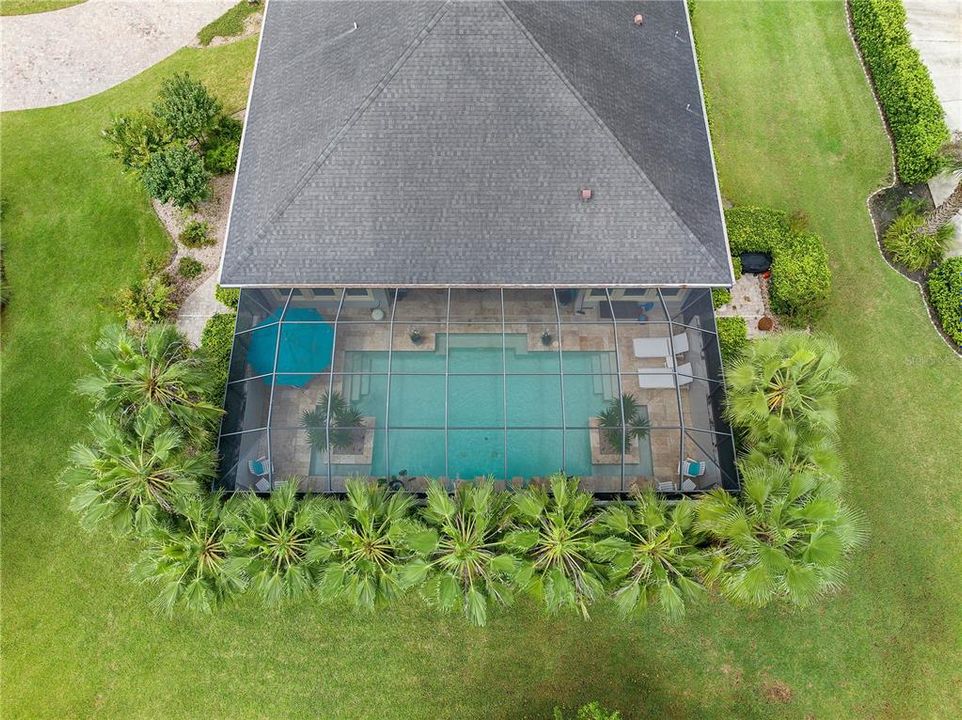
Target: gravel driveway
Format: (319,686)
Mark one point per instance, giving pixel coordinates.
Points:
(56,57)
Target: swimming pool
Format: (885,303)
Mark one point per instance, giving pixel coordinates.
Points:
(486,385)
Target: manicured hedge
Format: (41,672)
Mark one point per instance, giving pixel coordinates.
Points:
(216,342)
(801,280)
(732,338)
(945,294)
(227,296)
(904,88)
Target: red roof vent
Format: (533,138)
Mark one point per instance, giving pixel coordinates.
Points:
(639,19)
(586,194)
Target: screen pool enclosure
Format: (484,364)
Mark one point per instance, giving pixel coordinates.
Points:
(459,384)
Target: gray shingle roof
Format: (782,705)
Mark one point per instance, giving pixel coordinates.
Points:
(445,143)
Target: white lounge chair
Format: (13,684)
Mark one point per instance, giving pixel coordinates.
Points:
(662,378)
(659,347)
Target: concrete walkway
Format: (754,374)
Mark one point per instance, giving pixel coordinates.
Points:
(198,308)
(56,57)
(936,29)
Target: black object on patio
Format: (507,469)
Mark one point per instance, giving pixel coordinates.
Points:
(755,263)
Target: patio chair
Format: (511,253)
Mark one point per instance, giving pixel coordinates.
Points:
(658,347)
(666,486)
(263,485)
(259,467)
(693,468)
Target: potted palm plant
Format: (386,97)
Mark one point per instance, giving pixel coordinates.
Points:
(622,422)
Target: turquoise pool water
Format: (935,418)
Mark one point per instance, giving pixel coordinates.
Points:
(535,444)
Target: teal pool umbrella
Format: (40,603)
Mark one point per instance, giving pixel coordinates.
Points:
(306,342)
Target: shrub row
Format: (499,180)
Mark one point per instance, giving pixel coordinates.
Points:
(143,470)
(945,294)
(216,342)
(904,88)
(732,338)
(801,280)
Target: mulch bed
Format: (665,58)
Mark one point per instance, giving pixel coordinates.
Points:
(884,206)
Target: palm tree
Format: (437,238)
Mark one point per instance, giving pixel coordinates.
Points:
(126,476)
(346,421)
(190,561)
(363,543)
(785,537)
(276,539)
(555,530)
(652,554)
(153,374)
(799,447)
(461,562)
(790,377)
(949,207)
(626,415)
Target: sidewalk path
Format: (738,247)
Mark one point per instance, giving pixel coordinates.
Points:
(936,29)
(56,57)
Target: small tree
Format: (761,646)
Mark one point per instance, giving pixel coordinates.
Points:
(187,108)
(127,476)
(624,423)
(177,174)
(189,561)
(461,563)
(135,138)
(652,553)
(788,377)
(555,532)
(784,538)
(949,207)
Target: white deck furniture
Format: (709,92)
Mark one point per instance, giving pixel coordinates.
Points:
(659,347)
(662,378)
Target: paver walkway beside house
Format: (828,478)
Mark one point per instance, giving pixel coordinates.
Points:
(198,308)
(936,29)
(56,57)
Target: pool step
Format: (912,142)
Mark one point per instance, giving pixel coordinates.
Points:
(604,376)
(358,386)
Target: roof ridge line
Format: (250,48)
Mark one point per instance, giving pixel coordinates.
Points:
(355,117)
(549,61)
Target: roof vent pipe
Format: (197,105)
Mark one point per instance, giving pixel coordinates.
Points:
(639,19)
(585,194)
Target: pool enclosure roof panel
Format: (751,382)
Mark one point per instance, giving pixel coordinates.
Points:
(448,143)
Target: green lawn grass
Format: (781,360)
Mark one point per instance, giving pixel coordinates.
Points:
(230,23)
(795,127)
(27,7)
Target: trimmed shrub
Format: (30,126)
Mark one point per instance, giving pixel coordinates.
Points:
(177,174)
(196,233)
(720,296)
(135,138)
(216,342)
(732,338)
(755,229)
(189,268)
(228,296)
(223,145)
(912,248)
(801,280)
(149,300)
(187,108)
(945,294)
(904,87)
